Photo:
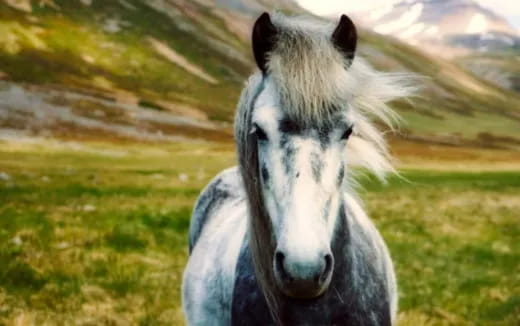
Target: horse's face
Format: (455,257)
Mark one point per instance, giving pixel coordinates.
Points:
(301,163)
(302,172)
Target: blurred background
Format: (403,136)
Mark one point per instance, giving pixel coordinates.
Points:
(115,113)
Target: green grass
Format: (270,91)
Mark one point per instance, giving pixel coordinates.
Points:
(97,234)
(468,127)
(452,236)
(98,231)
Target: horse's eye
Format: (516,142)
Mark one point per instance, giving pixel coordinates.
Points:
(260,134)
(346,134)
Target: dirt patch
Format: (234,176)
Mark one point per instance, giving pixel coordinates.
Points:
(483,140)
(164,50)
(487,137)
(437,156)
(23,5)
(64,114)
(183,110)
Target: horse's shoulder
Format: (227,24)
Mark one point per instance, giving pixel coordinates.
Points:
(371,246)
(225,186)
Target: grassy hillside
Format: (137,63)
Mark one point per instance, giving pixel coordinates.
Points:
(96,234)
(108,46)
(189,59)
(501,68)
(454,107)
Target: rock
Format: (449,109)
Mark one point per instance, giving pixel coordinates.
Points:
(17,241)
(62,245)
(89,208)
(4,176)
(157,176)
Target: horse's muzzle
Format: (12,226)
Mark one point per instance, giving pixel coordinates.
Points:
(303,279)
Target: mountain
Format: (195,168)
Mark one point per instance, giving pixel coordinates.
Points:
(502,69)
(452,27)
(142,59)
(478,39)
(167,70)
(253,7)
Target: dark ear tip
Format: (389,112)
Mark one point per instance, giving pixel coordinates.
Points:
(264,15)
(264,18)
(346,20)
(263,21)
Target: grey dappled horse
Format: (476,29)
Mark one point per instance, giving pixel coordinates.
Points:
(283,239)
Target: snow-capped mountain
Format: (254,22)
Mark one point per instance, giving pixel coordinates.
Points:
(455,26)
(255,7)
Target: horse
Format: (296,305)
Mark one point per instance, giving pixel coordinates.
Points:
(283,239)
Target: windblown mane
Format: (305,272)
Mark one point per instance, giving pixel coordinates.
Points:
(313,80)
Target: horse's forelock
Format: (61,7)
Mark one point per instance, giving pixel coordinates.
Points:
(314,81)
(307,69)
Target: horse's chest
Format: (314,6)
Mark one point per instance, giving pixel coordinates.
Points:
(335,307)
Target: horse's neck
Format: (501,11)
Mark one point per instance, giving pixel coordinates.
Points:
(342,251)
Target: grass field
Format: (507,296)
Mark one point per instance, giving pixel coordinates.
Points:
(96,234)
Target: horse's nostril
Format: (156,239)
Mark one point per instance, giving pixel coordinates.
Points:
(279,258)
(328,267)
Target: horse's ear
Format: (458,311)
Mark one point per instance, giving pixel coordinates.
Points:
(263,39)
(345,38)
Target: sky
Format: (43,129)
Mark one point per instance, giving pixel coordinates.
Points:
(510,9)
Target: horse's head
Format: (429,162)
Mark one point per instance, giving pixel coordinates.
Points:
(300,131)
(300,122)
